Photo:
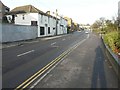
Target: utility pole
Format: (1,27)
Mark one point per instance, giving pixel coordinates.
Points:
(102,19)
(56,20)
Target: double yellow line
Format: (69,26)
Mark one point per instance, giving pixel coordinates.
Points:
(27,82)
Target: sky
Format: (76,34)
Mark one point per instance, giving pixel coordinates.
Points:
(81,11)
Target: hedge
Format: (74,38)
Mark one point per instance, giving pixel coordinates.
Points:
(112,39)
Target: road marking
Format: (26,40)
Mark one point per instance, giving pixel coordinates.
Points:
(25,53)
(46,68)
(71,49)
(40,71)
(46,73)
(53,43)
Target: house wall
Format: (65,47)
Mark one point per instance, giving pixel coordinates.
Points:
(119,10)
(63,26)
(12,33)
(0,32)
(45,21)
(28,17)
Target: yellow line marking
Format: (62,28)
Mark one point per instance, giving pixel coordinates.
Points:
(41,73)
(45,68)
(42,69)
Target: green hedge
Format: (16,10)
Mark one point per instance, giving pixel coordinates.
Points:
(112,39)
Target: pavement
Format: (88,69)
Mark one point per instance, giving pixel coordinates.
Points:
(85,67)
(19,43)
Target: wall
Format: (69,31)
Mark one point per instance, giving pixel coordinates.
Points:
(119,10)
(28,17)
(45,21)
(0,31)
(62,26)
(119,13)
(12,33)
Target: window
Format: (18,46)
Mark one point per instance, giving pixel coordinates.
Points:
(9,18)
(53,28)
(42,32)
(23,17)
(33,23)
(48,30)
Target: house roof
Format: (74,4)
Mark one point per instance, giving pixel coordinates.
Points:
(26,9)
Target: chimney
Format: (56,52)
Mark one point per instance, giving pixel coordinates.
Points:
(48,12)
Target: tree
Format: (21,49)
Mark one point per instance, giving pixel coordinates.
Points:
(96,24)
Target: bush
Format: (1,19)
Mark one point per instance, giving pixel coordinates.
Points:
(112,39)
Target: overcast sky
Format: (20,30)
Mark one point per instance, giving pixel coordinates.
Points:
(81,11)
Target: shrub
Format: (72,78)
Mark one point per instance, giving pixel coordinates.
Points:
(112,39)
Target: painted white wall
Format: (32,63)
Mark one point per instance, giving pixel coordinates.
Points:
(1,32)
(42,21)
(53,25)
(65,26)
(28,17)
(62,26)
(45,21)
(119,10)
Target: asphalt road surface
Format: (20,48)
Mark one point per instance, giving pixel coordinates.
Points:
(85,67)
(21,62)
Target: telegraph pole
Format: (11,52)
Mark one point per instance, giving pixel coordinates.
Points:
(56,20)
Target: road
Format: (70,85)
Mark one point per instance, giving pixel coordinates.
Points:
(21,62)
(85,67)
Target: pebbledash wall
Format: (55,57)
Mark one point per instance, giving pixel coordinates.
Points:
(12,32)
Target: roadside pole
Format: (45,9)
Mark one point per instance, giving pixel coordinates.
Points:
(56,21)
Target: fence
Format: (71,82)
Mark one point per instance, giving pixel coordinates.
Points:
(10,32)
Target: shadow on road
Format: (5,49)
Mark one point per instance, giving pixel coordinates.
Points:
(98,77)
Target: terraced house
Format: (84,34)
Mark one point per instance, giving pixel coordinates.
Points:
(29,15)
